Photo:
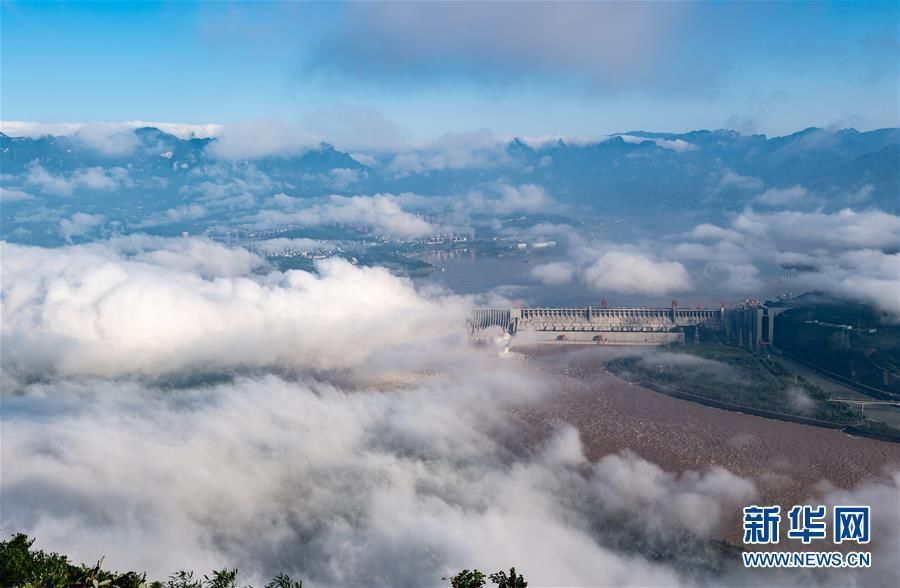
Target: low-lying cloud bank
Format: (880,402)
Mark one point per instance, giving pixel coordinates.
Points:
(619,269)
(367,487)
(35,130)
(382,213)
(174,403)
(299,459)
(146,306)
(97,179)
(852,254)
(632,273)
(401,215)
(340,488)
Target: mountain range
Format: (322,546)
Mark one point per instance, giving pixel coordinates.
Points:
(638,173)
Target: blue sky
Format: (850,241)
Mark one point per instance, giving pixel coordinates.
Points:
(404,71)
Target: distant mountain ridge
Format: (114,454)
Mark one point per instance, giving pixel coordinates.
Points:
(703,174)
(151,144)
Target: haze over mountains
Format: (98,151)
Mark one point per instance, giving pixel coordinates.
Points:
(147,177)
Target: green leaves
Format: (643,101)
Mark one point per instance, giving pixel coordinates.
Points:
(224,578)
(511,581)
(475,579)
(23,567)
(467,579)
(284,581)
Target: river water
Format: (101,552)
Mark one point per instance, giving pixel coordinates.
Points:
(789,462)
(510,276)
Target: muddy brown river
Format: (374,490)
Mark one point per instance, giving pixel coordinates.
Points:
(788,462)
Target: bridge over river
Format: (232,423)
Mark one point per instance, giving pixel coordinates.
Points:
(753,325)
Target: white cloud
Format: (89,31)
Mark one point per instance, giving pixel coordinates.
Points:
(677,145)
(326,470)
(40,214)
(342,177)
(339,178)
(732,180)
(281,245)
(207,259)
(34,130)
(92,178)
(12,195)
(524,198)
(722,251)
(79,224)
(740,278)
(632,272)
(364,159)
(862,194)
(108,139)
(254,139)
(478,149)
(44,181)
(98,178)
(234,185)
(356,128)
(527,198)
(783,196)
(867,275)
(609,44)
(179,214)
(554,273)
(882,497)
(707,231)
(380,213)
(539,141)
(380,488)
(99,310)
(800,400)
(847,253)
(846,228)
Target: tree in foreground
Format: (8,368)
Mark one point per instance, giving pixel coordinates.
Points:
(467,579)
(476,579)
(24,567)
(511,581)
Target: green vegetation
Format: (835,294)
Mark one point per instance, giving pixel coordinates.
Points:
(374,256)
(396,262)
(511,581)
(476,579)
(24,567)
(20,566)
(718,371)
(714,370)
(844,338)
(283,264)
(467,579)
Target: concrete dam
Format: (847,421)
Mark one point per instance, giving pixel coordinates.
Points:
(750,325)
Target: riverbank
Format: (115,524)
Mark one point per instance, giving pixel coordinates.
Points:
(724,376)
